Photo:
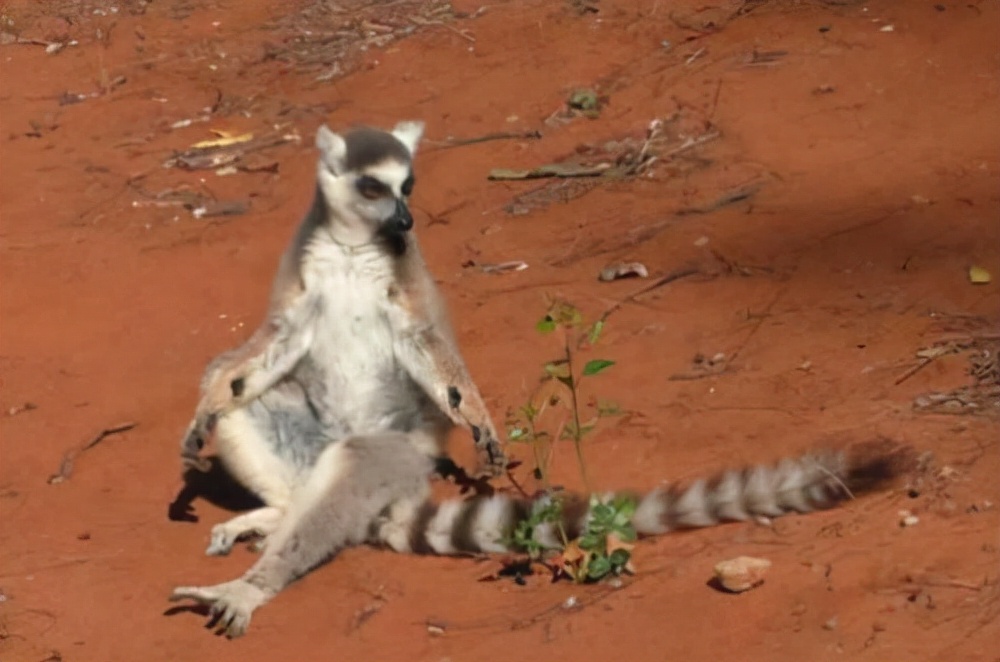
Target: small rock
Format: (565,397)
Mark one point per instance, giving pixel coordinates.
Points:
(831,624)
(887,28)
(741,573)
(623,270)
(571,603)
(906,518)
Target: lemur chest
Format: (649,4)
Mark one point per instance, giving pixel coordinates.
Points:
(353,339)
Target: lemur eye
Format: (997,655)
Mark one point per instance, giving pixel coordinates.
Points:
(371,188)
(408,186)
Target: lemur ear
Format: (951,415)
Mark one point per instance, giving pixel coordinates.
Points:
(332,150)
(409,134)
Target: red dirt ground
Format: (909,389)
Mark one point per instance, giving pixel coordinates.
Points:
(868,160)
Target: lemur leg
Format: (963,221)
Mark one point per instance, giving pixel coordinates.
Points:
(353,483)
(247,453)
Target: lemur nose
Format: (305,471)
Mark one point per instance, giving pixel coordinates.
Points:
(402,217)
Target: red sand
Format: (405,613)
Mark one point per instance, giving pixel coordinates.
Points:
(873,157)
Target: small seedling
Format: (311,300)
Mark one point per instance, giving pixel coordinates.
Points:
(604,548)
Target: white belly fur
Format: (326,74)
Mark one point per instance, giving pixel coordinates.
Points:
(352,345)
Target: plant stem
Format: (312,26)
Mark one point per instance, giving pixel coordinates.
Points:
(577,431)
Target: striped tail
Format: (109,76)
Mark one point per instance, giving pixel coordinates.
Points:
(811,482)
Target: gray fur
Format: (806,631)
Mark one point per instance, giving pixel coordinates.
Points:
(367,147)
(330,412)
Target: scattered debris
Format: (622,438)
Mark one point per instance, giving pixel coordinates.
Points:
(824,89)
(741,573)
(983,395)
(212,158)
(550,170)
(702,367)
(436,628)
(979,275)
(659,282)
(763,58)
(70,98)
(503,267)
(694,56)
(614,160)
(363,615)
(625,158)
(330,38)
(585,102)
(20,409)
(223,139)
(66,466)
(621,270)
(51,47)
(729,197)
(221,208)
(499,135)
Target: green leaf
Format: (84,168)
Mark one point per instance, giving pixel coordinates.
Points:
(602,512)
(590,542)
(599,566)
(546,325)
(597,365)
(625,533)
(619,557)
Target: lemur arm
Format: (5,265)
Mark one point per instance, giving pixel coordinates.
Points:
(244,374)
(433,361)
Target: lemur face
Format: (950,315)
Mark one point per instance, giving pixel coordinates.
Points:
(368,175)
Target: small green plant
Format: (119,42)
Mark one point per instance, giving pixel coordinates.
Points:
(606,543)
(604,548)
(542,511)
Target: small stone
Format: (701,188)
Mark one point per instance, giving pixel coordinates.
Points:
(830,624)
(620,270)
(741,573)
(571,603)
(887,28)
(906,518)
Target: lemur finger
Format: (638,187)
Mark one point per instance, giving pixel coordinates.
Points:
(195,593)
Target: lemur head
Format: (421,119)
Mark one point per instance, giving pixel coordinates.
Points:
(366,176)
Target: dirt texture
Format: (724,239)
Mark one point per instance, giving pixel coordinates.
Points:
(826,172)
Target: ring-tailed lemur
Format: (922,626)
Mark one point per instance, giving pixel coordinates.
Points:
(375,490)
(334,410)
